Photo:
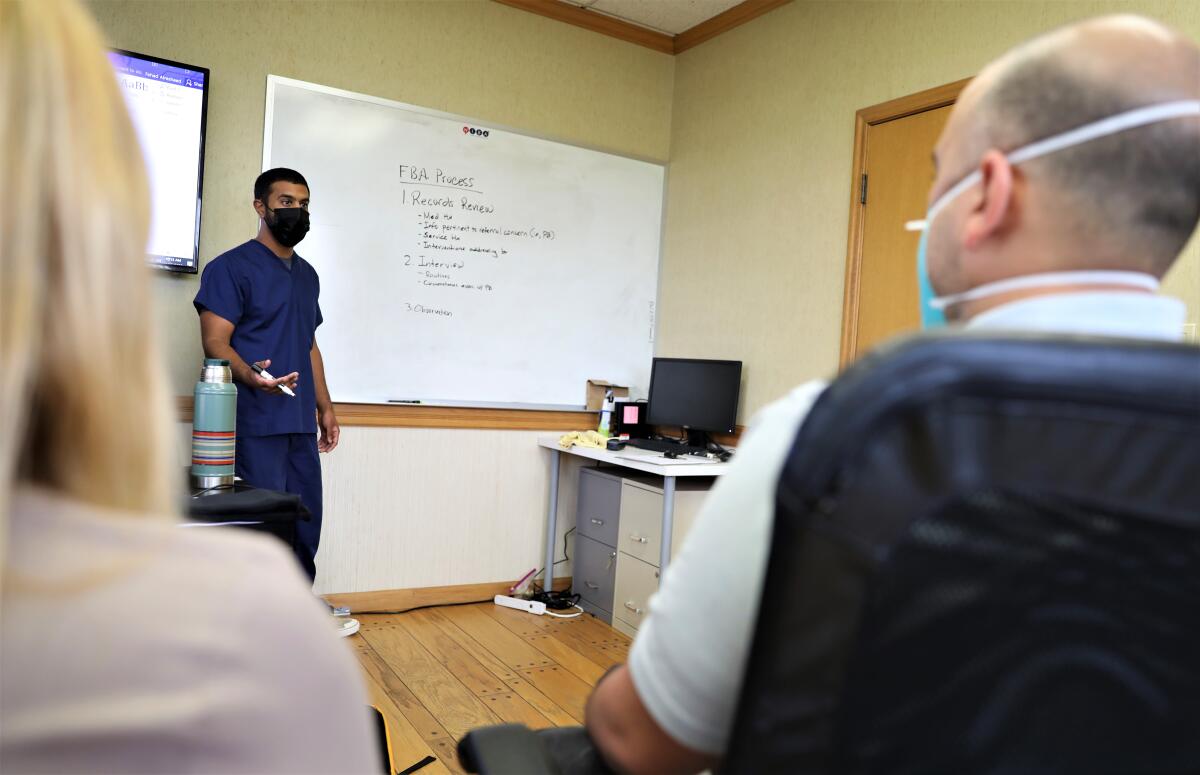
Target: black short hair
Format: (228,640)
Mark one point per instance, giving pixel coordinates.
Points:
(263,183)
(1137,191)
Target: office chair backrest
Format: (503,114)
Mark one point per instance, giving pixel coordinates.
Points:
(986,558)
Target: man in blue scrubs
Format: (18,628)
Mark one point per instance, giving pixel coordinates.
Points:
(258,304)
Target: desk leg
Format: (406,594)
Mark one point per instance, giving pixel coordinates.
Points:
(551,520)
(668,523)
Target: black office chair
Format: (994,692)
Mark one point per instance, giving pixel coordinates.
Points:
(247,508)
(986,558)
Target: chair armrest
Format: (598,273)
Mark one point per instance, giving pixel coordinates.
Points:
(504,749)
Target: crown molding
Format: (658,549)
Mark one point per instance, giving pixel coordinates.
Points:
(642,36)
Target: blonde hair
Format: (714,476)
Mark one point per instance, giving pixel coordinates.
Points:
(83,409)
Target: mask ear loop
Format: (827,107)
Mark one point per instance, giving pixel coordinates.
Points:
(1131,119)
(1089,277)
(1121,122)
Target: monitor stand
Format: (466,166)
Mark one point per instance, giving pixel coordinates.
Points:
(697,439)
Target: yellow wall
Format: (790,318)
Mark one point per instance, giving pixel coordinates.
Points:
(761,143)
(757,125)
(472,57)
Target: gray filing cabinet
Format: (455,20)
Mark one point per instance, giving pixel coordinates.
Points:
(595,562)
(639,540)
(618,524)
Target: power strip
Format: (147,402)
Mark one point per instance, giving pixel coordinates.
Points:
(528,606)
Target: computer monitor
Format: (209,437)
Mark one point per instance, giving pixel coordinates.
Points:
(168,104)
(699,395)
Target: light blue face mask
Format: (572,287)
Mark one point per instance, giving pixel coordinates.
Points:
(933,306)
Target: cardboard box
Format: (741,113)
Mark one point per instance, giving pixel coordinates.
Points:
(596,388)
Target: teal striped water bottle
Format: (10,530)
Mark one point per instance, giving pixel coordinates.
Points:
(214,423)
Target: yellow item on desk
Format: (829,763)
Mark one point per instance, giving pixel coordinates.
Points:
(582,439)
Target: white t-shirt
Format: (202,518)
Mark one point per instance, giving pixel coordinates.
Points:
(128,644)
(689,656)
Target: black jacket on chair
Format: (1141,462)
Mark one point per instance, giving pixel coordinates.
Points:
(986,558)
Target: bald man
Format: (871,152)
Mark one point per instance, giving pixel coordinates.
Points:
(1068,181)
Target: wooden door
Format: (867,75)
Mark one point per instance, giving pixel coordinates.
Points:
(893,171)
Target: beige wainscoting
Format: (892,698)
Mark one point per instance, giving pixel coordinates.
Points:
(426,507)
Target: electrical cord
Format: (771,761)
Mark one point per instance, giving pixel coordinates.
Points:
(557,600)
(558,603)
(723,453)
(540,597)
(419,608)
(566,556)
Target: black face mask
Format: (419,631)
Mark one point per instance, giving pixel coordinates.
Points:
(288,225)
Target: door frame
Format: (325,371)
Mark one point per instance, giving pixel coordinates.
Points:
(930,99)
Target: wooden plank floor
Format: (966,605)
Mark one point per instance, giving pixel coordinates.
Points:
(440,672)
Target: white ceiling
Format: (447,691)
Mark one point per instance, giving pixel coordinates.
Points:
(669,16)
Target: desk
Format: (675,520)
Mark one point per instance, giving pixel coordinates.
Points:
(638,460)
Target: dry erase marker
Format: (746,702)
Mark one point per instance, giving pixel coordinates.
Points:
(260,370)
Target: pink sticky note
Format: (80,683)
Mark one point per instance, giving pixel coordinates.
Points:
(631,415)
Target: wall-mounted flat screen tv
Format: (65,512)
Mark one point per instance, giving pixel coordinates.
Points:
(168,102)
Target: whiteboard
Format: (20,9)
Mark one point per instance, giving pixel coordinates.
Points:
(464,263)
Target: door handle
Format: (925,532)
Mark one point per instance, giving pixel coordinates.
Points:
(639,539)
(597,521)
(629,604)
(590,585)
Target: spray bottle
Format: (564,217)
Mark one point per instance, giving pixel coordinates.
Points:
(606,411)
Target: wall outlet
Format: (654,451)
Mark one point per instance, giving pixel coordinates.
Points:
(1189,333)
